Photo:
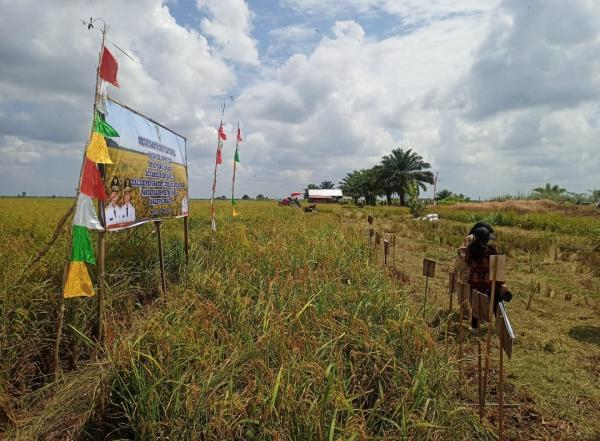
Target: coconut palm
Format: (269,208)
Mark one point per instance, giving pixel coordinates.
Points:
(327,185)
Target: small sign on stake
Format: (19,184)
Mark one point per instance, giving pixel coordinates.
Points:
(504,329)
(481,306)
(429,267)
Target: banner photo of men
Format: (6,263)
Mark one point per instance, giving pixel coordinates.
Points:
(148,177)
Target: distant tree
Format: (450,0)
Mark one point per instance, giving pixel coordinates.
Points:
(400,169)
(309,187)
(245,197)
(23,194)
(444,194)
(327,185)
(361,183)
(259,197)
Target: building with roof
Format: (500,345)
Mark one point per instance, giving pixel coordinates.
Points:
(325,196)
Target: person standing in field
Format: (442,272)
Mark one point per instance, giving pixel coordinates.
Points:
(460,266)
(477,260)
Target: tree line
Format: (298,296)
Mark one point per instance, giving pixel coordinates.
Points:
(402,173)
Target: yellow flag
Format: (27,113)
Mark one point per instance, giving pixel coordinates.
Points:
(97,150)
(78,282)
(234,213)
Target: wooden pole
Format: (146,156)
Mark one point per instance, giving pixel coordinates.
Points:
(161,258)
(460,331)
(55,369)
(101,277)
(214,185)
(186,244)
(489,333)
(501,391)
(394,250)
(481,394)
(425,296)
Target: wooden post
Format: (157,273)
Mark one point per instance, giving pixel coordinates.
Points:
(532,288)
(370,237)
(481,393)
(161,258)
(394,250)
(428,271)
(186,243)
(496,266)
(386,248)
(501,390)
(55,369)
(460,331)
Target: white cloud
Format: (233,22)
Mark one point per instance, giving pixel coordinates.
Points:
(230,26)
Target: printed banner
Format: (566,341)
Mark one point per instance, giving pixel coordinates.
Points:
(148,177)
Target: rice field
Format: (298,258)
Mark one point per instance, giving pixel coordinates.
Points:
(287,326)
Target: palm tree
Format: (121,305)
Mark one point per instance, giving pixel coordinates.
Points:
(549,189)
(327,185)
(401,168)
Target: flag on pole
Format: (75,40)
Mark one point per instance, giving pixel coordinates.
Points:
(239,135)
(219,153)
(78,282)
(236,157)
(91,181)
(104,128)
(222,134)
(109,67)
(97,150)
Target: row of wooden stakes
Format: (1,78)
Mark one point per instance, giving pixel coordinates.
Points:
(472,304)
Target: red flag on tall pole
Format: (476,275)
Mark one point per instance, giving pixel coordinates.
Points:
(239,135)
(222,134)
(109,67)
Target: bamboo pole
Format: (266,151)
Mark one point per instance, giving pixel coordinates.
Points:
(214,184)
(237,142)
(55,369)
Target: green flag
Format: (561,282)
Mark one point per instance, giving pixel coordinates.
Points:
(102,127)
(236,158)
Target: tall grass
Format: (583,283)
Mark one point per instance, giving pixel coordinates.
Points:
(282,328)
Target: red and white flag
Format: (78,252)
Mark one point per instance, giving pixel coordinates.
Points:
(109,67)
(222,134)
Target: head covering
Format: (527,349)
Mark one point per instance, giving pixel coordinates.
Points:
(127,184)
(482,235)
(481,224)
(114,184)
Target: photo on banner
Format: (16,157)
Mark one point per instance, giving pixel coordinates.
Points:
(148,178)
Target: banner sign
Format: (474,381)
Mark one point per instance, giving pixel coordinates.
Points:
(148,177)
(429,267)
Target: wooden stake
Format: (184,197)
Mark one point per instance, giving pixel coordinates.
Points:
(386,249)
(55,369)
(394,250)
(493,268)
(479,379)
(501,390)
(161,259)
(530,296)
(186,243)
(425,297)
(460,331)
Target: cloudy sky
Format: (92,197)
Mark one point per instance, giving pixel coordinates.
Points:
(499,96)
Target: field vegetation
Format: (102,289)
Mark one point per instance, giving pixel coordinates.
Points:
(287,326)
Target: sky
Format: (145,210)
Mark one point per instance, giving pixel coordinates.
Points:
(499,96)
